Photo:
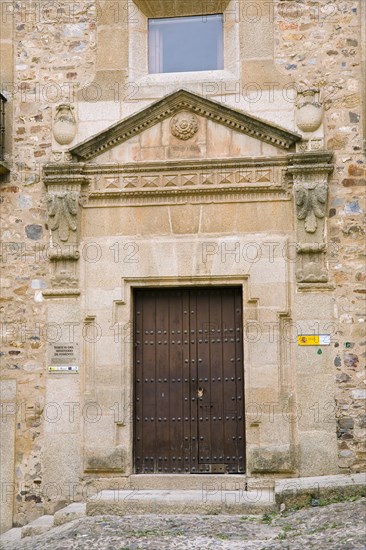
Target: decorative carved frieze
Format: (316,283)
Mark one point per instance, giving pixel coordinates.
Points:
(191,178)
(184,196)
(254,179)
(61,156)
(312,144)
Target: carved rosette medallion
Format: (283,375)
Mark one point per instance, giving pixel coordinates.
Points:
(184,125)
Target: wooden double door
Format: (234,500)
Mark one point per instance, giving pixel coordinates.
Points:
(189,380)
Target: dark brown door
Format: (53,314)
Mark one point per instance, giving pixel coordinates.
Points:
(189,391)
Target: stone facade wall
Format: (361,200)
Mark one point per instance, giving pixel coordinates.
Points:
(323,48)
(64,54)
(54,55)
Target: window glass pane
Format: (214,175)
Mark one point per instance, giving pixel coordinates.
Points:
(178,44)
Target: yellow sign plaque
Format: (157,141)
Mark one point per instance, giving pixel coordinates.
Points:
(313,340)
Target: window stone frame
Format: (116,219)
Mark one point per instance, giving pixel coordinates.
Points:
(162,83)
(121,64)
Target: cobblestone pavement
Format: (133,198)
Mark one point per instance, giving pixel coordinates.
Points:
(338,526)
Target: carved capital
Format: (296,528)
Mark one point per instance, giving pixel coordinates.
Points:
(310,200)
(310,172)
(62,210)
(311,248)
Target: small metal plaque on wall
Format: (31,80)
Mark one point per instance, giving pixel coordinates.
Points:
(63,357)
(63,368)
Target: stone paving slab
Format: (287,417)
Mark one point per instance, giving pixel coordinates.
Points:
(12,535)
(338,526)
(69,513)
(38,526)
(302,491)
(319,481)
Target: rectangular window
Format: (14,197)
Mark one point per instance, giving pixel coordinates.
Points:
(181,44)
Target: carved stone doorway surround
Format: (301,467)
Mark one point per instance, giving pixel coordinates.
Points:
(78,188)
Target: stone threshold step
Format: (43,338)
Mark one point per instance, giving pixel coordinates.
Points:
(210,501)
(196,482)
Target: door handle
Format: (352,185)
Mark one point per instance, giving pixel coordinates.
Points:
(200,392)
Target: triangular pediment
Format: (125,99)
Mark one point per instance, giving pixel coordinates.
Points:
(201,108)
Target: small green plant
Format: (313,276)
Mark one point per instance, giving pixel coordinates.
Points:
(268,518)
(325,501)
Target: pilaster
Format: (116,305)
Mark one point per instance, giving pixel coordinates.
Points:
(310,172)
(64,197)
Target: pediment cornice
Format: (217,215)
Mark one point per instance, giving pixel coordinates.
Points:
(168,106)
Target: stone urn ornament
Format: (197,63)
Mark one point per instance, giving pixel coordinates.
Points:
(64,124)
(309,114)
